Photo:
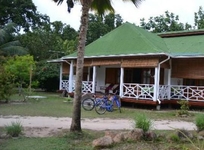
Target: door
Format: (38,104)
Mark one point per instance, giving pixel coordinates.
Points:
(112,75)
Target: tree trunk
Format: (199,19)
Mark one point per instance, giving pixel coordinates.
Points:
(76,114)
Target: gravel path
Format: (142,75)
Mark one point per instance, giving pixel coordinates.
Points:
(45,126)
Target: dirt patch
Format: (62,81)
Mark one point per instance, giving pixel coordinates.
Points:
(41,132)
(49,126)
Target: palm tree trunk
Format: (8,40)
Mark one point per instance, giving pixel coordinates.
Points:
(76,114)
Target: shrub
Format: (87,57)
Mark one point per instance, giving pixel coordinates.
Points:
(184,107)
(15,129)
(6,86)
(142,122)
(199,121)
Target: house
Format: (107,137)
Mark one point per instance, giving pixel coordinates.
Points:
(143,67)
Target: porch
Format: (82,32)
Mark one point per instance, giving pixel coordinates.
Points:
(148,94)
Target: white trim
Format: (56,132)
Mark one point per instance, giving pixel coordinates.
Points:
(94,79)
(155,83)
(120,55)
(169,83)
(71,73)
(121,81)
(60,76)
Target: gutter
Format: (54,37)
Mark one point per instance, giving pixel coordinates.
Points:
(158,78)
(121,55)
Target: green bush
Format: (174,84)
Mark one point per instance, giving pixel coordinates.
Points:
(6,85)
(199,121)
(142,122)
(184,107)
(15,129)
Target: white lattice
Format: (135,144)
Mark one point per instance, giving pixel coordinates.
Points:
(138,91)
(87,87)
(65,85)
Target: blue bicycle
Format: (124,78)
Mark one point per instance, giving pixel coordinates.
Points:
(108,104)
(90,103)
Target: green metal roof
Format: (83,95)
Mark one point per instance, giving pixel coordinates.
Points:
(127,39)
(186,45)
(131,40)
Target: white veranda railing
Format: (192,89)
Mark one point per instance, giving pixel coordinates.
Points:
(138,91)
(86,86)
(165,92)
(146,91)
(195,93)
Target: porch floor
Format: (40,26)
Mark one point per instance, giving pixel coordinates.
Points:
(163,102)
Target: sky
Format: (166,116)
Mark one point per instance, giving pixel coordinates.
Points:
(185,9)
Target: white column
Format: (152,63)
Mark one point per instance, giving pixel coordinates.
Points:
(71,73)
(121,81)
(94,79)
(158,81)
(60,76)
(155,83)
(169,83)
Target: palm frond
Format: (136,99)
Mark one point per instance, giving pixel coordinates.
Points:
(70,4)
(13,50)
(10,28)
(58,1)
(135,2)
(6,32)
(101,6)
(11,43)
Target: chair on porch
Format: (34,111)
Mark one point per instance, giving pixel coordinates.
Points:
(114,88)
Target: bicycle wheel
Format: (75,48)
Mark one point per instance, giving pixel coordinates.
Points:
(88,104)
(118,104)
(100,108)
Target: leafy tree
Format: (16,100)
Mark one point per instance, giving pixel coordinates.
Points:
(48,42)
(20,67)
(96,28)
(113,21)
(169,22)
(199,18)
(9,46)
(6,84)
(21,12)
(47,74)
(99,26)
(100,7)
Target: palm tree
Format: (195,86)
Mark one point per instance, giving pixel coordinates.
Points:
(100,6)
(8,45)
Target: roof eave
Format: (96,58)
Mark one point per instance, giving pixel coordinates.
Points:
(185,56)
(121,55)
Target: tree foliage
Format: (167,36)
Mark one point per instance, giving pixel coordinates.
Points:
(20,67)
(199,18)
(9,46)
(21,12)
(47,74)
(50,41)
(6,84)
(99,26)
(169,22)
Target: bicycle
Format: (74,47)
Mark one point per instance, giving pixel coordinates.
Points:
(107,105)
(90,103)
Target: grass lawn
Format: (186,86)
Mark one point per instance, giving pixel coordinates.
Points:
(55,106)
(70,141)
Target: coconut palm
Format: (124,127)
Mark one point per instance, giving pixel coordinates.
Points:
(100,6)
(9,46)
